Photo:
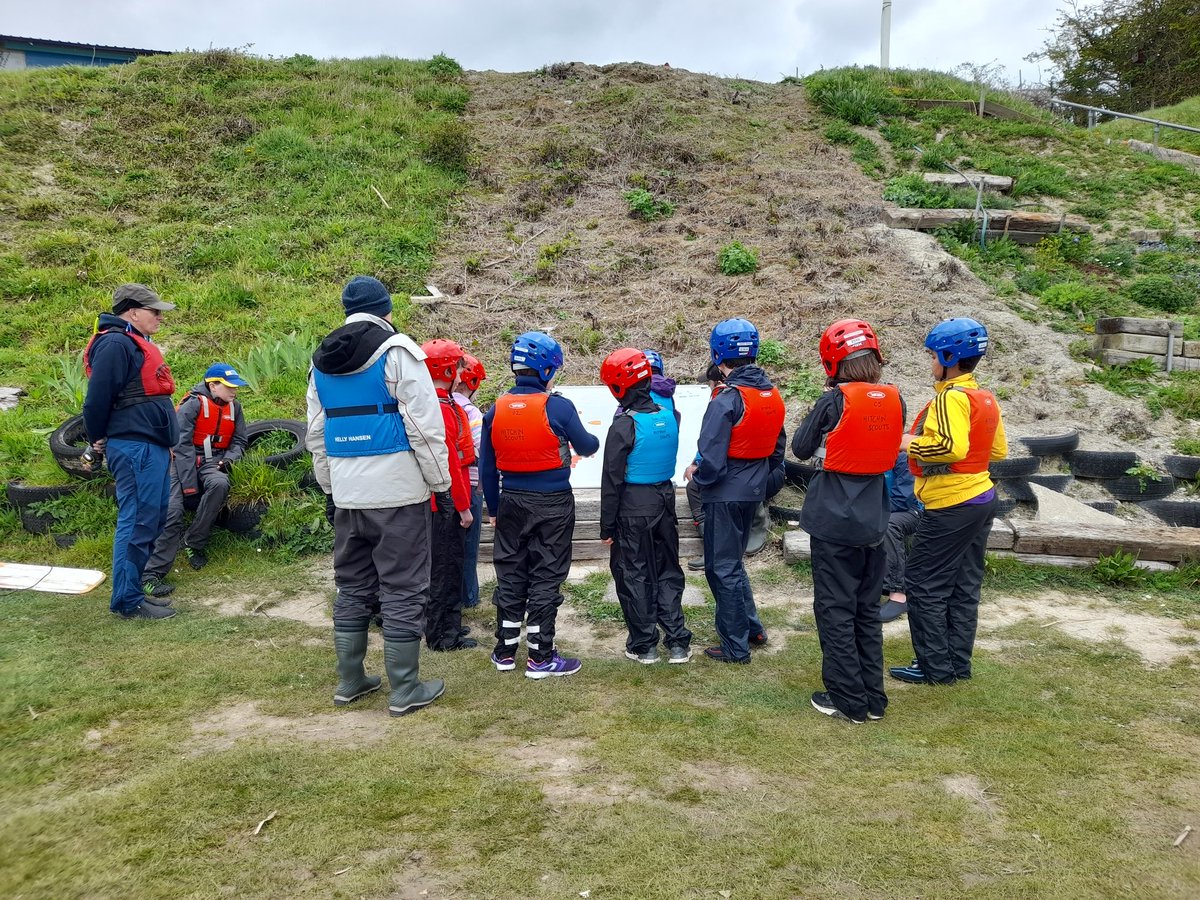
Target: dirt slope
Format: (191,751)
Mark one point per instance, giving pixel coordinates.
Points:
(741,161)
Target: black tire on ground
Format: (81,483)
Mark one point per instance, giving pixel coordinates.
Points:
(67,443)
(308,482)
(36,523)
(1101,463)
(1104,506)
(1014,467)
(65,541)
(1052,444)
(1182,467)
(242,519)
(784,515)
(1185,513)
(1135,489)
(1055,482)
(1016,489)
(21,495)
(798,474)
(1004,507)
(256,431)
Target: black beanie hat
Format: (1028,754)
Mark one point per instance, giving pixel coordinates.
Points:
(364,294)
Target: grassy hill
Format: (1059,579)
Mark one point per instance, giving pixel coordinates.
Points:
(1186,112)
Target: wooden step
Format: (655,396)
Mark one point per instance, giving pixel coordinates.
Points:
(998,183)
(595,550)
(1022,227)
(1163,543)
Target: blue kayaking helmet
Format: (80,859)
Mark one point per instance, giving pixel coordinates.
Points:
(956,339)
(733,339)
(538,351)
(656,361)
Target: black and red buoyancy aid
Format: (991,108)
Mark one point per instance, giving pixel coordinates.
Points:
(214,426)
(756,433)
(153,379)
(522,436)
(985,420)
(866,440)
(464,444)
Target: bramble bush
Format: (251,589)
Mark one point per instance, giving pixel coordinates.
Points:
(737,259)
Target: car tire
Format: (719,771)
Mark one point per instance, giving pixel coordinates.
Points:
(67,443)
(784,515)
(1101,463)
(1184,513)
(1052,445)
(1104,506)
(1136,490)
(242,519)
(20,495)
(1014,467)
(1185,468)
(1004,507)
(798,474)
(1058,483)
(256,431)
(1016,489)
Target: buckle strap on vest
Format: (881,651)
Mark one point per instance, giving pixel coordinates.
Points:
(340,411)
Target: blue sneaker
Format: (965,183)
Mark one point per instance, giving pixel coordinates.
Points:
(911,673)
(504,663)
(555,667)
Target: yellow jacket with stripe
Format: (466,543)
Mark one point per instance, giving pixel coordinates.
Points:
(944,437)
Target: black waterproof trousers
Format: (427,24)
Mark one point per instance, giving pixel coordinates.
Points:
(846,586)
(944,576)
(444,619)
(900,526)
(645,567)
(381,562)
(531,553)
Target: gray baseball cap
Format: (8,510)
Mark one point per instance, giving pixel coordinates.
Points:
(128,296)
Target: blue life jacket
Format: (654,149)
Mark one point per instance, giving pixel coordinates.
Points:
(362,417)
(663,400)
(655,446)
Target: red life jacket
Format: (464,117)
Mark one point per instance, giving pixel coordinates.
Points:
(985,419)
(522,436)
(464,444)
(755,434)
(153,380)
(866,440)
(214,425)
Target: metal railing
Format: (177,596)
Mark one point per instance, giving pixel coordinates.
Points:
(1094,113)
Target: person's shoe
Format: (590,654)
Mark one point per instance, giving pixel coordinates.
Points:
(759,639)
(648,658)
(146,610)
(892,610)
(460,644)
(760,531)
(823,703)
(156,587)
(464,631)
(197,559)
(504,663)
(679,655)
(555,667)
(696,563)
(717,654)
(353,681)
(409,693)
(911,673)
(874,716)
(156,601)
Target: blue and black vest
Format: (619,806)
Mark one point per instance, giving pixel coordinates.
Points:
(361,415)
(663,400)
(655,447)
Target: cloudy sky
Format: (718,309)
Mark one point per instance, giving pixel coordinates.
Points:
(758,39)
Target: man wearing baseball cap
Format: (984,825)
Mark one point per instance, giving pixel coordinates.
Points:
(130,418)
(212,437)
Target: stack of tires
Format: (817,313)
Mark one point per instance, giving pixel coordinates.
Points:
(1015,475)
(1184,469)
(1110,469)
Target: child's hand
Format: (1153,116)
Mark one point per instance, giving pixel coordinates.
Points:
(607,541)
(905,440)
(689,472)
(492,521)
(465,518)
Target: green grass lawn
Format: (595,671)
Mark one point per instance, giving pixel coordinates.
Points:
(1186,112)
(138,760)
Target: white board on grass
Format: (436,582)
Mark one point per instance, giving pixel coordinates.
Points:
(50,579)
(596,406)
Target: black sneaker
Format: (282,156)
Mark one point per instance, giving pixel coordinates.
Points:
(696,563)
(464,631)
(892,610)
(156,601)
(874,716)
(823,703)
(460,644)
(156,587)
(196,558)
(759,639)
(717,654)
(147,611)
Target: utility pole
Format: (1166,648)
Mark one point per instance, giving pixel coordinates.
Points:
(885,36)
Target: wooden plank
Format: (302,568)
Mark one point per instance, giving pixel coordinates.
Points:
(587,505)
(1132,325)
(588,531)
(595,550)
(998,183)
(1162,543)
(796,546)
(1152,236)
(968,105)
(998,220)
(1166,154)
(1120,357)
(48,579)
(1137,343)
(1191,349)
(1002,536)
(1077,562)
(1000,111)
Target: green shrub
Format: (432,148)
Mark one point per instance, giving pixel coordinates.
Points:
(444,67)
(447,145)
(1118,569)
(1159,292)
(645,206)
(1074,296)
(840,133)
(857,96)
(297,526)
(736,259)
(772,352)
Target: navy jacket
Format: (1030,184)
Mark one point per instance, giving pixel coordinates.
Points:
(115,361)
(721,479)
(564,421)
(851,510)
(900,486)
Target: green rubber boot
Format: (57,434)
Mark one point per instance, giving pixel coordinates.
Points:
(409,692)
(353,681)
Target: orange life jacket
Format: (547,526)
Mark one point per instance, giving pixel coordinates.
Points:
(464,445)
(985,419)
(153,379)
(755,434)
(214,425)
(866,440)
(522,436)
